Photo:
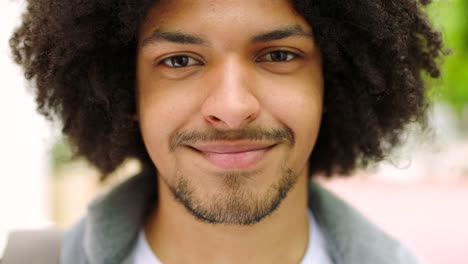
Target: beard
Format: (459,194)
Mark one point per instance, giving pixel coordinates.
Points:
(234,203)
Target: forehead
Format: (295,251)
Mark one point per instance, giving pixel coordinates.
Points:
(215,5)
(221,16)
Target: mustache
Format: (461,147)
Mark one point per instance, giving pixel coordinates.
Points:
(181,138)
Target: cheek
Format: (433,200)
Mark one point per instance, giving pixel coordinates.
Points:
(153,119)
(298,104)
(297,101)
(163,102)
(302,113)
(161,111)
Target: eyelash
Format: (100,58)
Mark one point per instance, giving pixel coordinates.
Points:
(289,56)
(191,61)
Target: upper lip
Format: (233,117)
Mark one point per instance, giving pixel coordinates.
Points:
(231,147)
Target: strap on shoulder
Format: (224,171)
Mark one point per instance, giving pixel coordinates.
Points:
(38,246)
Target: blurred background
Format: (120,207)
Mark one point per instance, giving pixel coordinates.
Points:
(420,195)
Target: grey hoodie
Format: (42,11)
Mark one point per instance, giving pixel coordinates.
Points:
(108,232)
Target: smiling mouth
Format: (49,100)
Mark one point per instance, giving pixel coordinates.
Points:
(233,156)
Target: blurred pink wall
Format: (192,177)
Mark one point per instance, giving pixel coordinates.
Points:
(429,216)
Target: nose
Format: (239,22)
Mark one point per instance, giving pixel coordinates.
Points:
(230,103)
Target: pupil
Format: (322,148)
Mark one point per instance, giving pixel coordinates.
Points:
(180,61)
(278,56)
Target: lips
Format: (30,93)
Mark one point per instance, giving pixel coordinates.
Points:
(233,156)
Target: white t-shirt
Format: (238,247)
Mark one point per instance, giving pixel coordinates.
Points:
(316,250)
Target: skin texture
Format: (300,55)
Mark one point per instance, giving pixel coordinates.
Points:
(231,91)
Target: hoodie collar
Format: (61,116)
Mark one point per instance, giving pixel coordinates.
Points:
(114,220)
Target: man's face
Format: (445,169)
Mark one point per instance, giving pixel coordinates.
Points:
(229,103)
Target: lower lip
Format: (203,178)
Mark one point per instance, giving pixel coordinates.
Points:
(235,161)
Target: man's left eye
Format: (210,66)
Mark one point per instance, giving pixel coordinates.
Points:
(278,56)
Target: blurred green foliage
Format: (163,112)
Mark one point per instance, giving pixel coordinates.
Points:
(451,17)
(60,154)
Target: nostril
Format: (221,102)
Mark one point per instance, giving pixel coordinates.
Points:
(214,118)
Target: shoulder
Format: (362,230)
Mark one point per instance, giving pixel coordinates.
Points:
(73,244)
(108,231)
(351,237)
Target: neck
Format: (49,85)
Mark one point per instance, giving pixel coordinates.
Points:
(177,237)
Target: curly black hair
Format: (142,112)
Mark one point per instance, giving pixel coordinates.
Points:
(80,56)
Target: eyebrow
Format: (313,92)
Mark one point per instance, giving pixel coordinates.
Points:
(186,38)
(174,37)
(282,33)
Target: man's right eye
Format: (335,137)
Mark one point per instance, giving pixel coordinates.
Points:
(180,61)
